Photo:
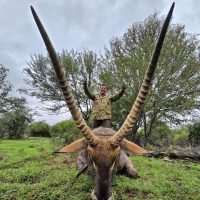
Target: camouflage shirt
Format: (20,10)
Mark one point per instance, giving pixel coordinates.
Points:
(101,108)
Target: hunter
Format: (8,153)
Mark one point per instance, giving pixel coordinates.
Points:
(101,109)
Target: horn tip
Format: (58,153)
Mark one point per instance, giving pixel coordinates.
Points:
(173,4)
(33,11)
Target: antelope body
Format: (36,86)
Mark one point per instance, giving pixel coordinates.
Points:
(103,149)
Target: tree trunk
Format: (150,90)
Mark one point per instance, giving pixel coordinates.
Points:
(193,154)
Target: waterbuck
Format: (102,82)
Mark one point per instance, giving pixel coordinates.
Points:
(103,149)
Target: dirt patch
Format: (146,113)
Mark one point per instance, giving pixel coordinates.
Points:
(131,193)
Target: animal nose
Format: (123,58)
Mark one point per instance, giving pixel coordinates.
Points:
(93,196)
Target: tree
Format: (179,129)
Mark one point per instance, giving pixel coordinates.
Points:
(14,114)
(5,88)
(176,87)
(15,120)
(44,84)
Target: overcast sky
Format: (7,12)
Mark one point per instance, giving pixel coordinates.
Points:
(77,24)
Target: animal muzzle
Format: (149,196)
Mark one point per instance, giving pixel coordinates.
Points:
(93,197)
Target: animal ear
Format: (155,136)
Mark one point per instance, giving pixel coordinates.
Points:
(75,146)
(132,148)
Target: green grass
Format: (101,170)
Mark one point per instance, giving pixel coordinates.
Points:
(28,170)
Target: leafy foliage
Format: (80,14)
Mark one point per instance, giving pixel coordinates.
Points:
(5,88)
(161,135)
(65,132)
(79,67)
(15,120)
(194,134)
(181,137)
(175,90)
(41,129)
(14,114)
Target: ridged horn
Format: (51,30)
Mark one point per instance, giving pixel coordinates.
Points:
(60,72)
(142,94)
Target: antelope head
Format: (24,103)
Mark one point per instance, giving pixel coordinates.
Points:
(103,151)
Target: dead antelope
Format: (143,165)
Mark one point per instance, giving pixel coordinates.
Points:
(103,149)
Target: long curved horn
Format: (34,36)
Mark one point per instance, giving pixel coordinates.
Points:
(69,98)
(139,102)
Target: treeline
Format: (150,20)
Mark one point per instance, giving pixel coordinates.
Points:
(65,132)
(162,136)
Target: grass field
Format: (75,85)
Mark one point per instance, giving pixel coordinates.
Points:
(28,170)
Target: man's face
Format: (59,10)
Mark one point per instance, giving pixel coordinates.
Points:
(102,90)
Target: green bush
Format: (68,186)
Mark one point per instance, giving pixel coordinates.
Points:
(65,132)
(40,129)
(194,134)
(161,136)
(16,118)
(180,137)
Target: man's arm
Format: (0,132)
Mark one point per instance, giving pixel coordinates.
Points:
(87,92)
(119,94)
